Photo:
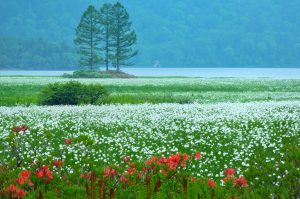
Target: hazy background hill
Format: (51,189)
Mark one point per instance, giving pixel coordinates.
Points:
(192,33)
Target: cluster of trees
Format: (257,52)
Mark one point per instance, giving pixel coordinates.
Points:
(39,54)
(105,36)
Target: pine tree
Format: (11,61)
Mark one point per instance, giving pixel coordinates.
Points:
(106,21)
(123,38)
(88,39)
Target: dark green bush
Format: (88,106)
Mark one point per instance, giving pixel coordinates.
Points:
(72,93)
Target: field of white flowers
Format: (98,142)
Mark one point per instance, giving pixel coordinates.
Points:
(237,135)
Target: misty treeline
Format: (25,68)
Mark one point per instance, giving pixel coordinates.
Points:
(176,33)
(105,37)
(18,53)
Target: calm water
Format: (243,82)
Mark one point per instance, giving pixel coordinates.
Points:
(281,73)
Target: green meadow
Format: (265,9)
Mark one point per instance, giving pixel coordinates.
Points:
(25,91)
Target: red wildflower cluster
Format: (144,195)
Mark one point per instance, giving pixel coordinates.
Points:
(229,172)
(58,163)
(109,172)
(241,181)
(67,141)
(173,162)
(123,179)
(14,192)
(44,172)
(197,155)
(211,183)
(24,177)
(17,129)
(130,170)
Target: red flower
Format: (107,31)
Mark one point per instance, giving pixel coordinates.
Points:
(229,171)
(44,172)
(163,172)
(211,183)
(30,183)
(24,176)
(197,155)
(228,178)
(241,181)
(17,129)
(123,179)
(12,189)
(173,161)
(131,170)
(152,160)
(185,157)
(48,173)
(21,193)
(132,165)
(108,172)
(68,141)
(192,179)
(58,163)
(163,160)
(40,173)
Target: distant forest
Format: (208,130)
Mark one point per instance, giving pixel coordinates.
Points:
(39,34)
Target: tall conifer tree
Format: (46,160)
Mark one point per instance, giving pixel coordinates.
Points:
(88,39)
(123,37)
(106,21)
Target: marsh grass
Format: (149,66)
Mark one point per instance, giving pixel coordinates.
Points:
(24,91)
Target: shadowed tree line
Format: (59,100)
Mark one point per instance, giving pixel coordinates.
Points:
(16,53)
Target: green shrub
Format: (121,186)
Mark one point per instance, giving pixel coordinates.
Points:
(97,74)
(72,93)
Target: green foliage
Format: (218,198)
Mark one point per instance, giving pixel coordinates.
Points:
(83,74)
(123,37)
(72,93)
(98,74)
(17,90)
(111,26)
(88,38)
(106,21)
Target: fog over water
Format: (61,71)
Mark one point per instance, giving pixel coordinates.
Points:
(278,73)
